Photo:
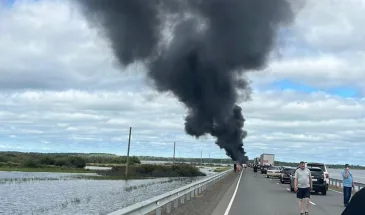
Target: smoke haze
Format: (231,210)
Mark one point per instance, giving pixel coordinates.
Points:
(212,44)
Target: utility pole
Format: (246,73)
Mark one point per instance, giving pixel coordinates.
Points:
(173,161)
(129,147)
(201,157)
(209,159)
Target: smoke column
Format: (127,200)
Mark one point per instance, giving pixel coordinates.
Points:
(213,43)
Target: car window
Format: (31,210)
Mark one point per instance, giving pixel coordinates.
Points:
(316,171)
(320,166)
(274,168)
(317,165)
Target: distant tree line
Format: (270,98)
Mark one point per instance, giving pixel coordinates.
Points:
(331,166)
(191,160)
(71,160)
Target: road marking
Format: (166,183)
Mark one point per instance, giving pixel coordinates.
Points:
(234,195)
(277,183)
(312,202)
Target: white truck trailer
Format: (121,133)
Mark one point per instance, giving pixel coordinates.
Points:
(267,159)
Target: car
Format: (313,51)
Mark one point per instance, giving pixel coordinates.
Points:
(285,174)
(324,169)
(318,180)
(273,172)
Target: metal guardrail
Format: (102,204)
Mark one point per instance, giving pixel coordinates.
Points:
(172,198)
(338,183)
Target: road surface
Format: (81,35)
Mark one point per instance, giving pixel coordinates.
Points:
(262,196)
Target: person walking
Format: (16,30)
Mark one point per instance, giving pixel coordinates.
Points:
(302,186)
(348,184)
(255,169)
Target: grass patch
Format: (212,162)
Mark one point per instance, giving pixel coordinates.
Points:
(222,169)
(46,169)
(151,171)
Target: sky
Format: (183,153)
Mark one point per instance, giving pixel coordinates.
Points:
(61,90)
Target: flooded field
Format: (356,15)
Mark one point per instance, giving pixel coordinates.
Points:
(359,175)
(63,194)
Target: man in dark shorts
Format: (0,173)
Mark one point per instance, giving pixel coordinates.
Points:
(303,186)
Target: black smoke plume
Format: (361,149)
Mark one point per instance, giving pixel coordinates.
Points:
(212,44)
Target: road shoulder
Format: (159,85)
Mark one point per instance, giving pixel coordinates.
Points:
(205,203)
(223,203)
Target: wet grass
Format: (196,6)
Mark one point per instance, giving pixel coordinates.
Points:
(47,169)
(152,171)
(131,188)
(221,169)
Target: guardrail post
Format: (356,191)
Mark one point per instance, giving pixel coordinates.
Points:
(182,199)
(168,208)
(188,196)
(176,203)
(192,194)
(158,211)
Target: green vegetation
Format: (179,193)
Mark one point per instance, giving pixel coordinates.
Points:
(221,169)
(46,169)
(150,171)
(331,166)
(191,160)
(216,161)
(57,162)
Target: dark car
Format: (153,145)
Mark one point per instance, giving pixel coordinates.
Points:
(285,174)
(319,182)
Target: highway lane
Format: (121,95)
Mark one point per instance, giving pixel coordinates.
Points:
(259,196)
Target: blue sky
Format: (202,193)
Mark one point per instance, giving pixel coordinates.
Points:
(62,92)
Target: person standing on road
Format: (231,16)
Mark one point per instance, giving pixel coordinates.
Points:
(255,169)
(348,184)
(302,186)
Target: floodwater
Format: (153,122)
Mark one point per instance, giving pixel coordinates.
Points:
(63,194)
(359,175)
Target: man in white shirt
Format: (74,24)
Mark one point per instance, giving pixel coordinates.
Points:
(302,186)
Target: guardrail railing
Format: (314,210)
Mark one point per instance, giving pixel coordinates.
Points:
(171,199)
(338,183)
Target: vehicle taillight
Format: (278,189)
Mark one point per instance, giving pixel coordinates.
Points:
(326,175)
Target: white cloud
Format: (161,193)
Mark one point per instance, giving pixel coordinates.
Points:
(60,89)
(274,120)
(332,25)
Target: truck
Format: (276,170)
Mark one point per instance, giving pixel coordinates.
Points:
(266,160)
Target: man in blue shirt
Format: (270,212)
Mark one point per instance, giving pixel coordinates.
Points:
(348,184)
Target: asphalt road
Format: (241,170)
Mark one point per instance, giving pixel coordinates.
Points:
(260,196)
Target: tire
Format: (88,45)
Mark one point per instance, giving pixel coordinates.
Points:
(324,192)
(267,176)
